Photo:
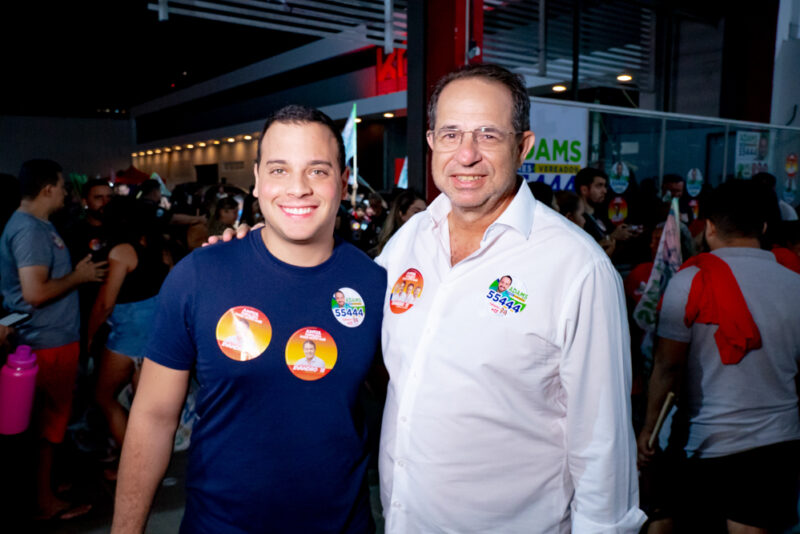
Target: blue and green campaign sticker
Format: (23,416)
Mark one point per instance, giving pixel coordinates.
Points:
(506,296)
(348,307)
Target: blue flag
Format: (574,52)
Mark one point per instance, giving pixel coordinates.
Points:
(402,182)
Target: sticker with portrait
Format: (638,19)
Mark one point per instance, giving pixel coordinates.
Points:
(619,177)
(694,182)
(243,333)
(310,353)
(348,307)
(506,296)
(406,291)
(617,210)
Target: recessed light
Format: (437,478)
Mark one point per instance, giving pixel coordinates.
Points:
(624,78)
(190,146)
(141,152)
(167,149)
(358,120)
(158,151)
(248,137)
(177,147)
(134,154)
(559,88)
(216,141)
(388,114)
(231,139)
(149,152)
(201,144)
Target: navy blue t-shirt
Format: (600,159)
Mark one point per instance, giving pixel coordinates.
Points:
(280,353)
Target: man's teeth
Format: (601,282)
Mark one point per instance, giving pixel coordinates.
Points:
(297,211)
(467,178)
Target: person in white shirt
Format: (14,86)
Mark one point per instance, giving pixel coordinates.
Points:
(311,361)
(502,422)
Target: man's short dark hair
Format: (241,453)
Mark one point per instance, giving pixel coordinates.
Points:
(520,114)
(35,174)
(94,182)
(738,208)
(586,176)
(295,114)
(765,178)
(506,276)
(671,179)
(148,186)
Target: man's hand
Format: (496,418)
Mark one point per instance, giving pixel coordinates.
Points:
(230,233)
(88,271)
(622,232)
(645,453)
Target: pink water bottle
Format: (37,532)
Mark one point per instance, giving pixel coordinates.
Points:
(17,385)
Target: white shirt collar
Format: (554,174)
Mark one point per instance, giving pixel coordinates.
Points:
(518,215)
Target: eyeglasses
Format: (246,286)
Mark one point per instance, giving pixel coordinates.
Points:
(450,138)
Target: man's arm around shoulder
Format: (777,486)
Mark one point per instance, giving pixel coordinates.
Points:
(148,444)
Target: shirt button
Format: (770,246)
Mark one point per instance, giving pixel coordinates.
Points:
(396,504)
(401,463)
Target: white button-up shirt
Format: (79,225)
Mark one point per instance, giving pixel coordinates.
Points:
(507,413)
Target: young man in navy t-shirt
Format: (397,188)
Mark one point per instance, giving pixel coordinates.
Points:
(280,446)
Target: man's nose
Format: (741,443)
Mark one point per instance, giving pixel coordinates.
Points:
(298,184)
(467,152)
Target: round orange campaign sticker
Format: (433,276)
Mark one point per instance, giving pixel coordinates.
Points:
(310,353)
(243,333)
(406,291)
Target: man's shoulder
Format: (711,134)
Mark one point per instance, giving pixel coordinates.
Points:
(23,223)
(565,237)
(347,252)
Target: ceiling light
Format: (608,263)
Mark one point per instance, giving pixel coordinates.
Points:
(559,88)
(388,114)
(624,78)
(158,151)
(167,149)
(177,147)
(141,153)
(190,146)
(216,141)
(149,152)
(201,144)
(248,137)
(134,154)
(358,120)
(231,139)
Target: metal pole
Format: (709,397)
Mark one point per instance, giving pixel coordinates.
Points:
(661,154)
(576,46)
(388,26)
(542,38)
(725,155)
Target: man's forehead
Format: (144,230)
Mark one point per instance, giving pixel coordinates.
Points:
(474,102)
(293,141)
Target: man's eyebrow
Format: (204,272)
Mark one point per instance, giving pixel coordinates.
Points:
(275,162)
(320,162)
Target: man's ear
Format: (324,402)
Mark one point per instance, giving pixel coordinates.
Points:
(525,145)
(710,229)
(345,179)
(255,175)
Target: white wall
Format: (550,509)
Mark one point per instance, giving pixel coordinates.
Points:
(95,147)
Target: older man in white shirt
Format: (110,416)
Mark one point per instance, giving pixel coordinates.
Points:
(506,411)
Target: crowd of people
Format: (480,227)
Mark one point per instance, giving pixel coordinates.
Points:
(542,377)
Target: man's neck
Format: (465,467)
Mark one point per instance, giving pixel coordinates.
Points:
(588,208)
(300,254)
(36,207)
(467,227)
(736,242)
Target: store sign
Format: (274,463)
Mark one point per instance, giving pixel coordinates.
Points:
(561,145)
(391,71)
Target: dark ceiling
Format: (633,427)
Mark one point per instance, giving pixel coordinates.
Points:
(81,58)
